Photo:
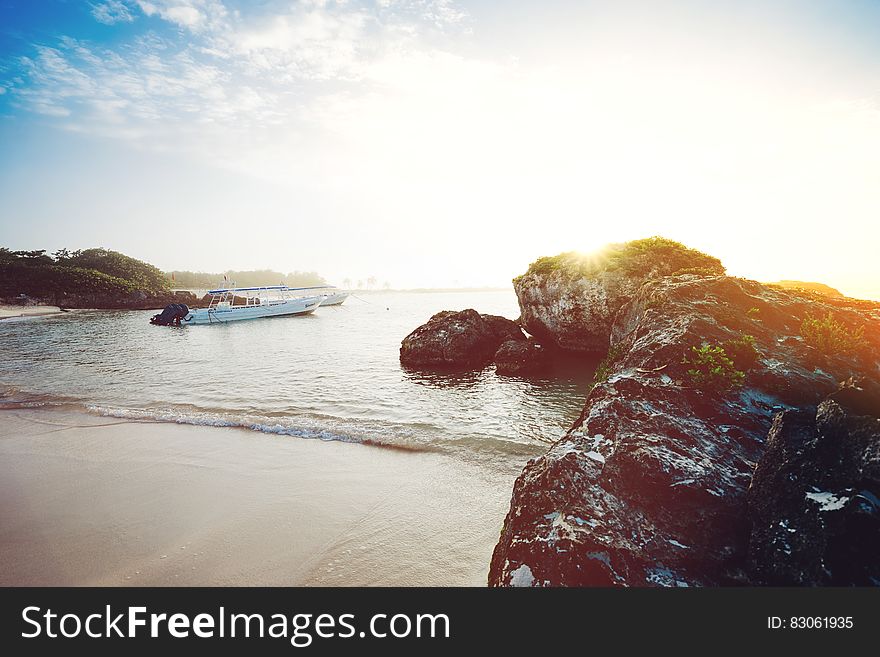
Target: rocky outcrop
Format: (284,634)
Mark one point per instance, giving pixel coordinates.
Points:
(572,314)
(649,487)
(521,358)
(460,340)
(814,500)
(571,301)
(810,286)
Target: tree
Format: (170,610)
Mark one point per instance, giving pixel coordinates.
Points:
(371,282)
(304,279)
(143,276)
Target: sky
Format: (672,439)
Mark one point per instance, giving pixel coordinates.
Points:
(434,143)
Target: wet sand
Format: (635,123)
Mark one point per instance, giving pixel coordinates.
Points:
(87,500)
(8,312)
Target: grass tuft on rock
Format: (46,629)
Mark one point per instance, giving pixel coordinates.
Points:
(712,369)
(650,257)
(832,337)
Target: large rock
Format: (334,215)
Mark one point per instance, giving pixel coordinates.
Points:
(520,357)
(815,496)
(571,300)
(464,340)
(649,487)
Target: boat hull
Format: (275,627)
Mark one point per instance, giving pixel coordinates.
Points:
(286,308)
(334,299)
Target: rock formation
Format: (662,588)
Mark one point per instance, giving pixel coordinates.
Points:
(460,340)
(571,300)
(815,498)
(650,487)
(520,357)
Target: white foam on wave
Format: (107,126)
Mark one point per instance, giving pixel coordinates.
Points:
(210,420)
(295,427)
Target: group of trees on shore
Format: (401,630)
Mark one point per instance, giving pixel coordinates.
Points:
(105,272)
(371,284)
(100,271)
(87,271)
(190,280)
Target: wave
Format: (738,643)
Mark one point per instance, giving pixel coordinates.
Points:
(299,427)
(374,434)
(12,398)
(412,437)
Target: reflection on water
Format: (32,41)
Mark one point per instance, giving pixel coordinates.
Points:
(443,379)
(331,375)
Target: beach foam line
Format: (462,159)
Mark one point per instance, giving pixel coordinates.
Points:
(400,438)
(12,398)
(417,437)
(292,426)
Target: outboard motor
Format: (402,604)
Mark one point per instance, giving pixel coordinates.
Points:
(171,316)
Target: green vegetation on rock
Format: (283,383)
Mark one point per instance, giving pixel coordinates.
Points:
(604,368)
(712,369)
(831,336)
(722,367)
(653,256)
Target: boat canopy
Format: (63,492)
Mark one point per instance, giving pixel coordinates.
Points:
(284,288)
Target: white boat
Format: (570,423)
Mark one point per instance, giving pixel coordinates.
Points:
(237,303)
(334,298)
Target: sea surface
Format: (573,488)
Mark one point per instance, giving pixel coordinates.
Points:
(333,375)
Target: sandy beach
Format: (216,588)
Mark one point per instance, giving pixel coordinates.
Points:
(88,500)
(8,312)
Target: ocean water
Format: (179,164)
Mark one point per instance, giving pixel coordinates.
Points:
(333,375)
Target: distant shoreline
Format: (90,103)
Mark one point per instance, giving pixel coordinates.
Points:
(408,289)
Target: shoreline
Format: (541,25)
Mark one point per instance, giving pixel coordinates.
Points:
(12,313)
(92,500)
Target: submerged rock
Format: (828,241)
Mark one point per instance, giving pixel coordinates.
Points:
(815,497)
(464,340)
(649,487)
(519,357)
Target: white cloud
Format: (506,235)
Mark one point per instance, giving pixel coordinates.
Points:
(311,42)
(340,91)
(387,112)
(182,15)
(232,73)
(111,12)
(194,15)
